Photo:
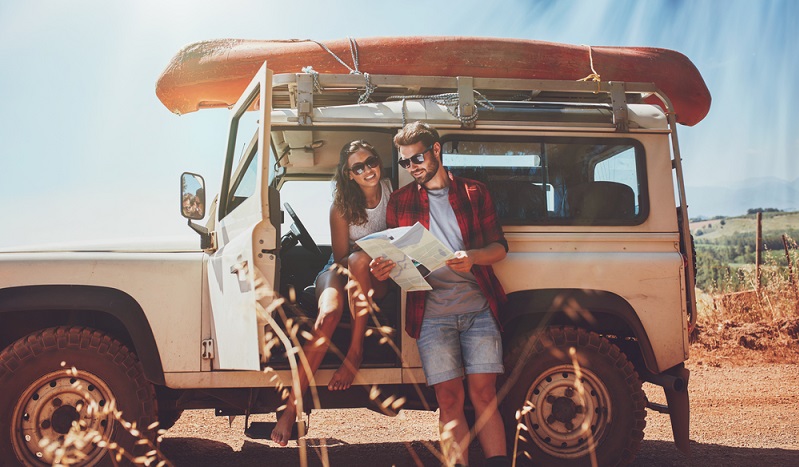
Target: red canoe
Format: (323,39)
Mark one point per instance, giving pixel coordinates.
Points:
(215,73)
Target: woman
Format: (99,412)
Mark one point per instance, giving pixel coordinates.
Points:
(359,208)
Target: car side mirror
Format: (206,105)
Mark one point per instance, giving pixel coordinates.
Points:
(192,196)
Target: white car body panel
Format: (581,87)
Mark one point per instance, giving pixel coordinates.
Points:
(167,286)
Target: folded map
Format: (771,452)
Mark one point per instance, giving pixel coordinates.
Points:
(408,247)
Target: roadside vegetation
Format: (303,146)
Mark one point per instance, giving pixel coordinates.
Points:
(746,316)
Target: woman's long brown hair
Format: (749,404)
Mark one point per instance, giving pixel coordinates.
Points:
(348,197)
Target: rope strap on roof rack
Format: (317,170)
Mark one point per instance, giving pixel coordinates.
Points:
(315,75)
(594,76)
(370,88)
(450,101)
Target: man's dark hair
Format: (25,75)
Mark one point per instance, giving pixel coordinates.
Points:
(414,132)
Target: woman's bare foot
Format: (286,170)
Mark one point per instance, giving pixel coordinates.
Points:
(343,377)
(282,431)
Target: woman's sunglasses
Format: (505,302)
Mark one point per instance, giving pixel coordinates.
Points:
(416,158)
(360,167)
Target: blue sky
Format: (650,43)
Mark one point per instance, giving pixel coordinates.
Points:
(87,152)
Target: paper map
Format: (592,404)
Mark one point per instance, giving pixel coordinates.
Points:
(408,247)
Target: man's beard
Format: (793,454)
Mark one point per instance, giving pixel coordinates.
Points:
(429,172)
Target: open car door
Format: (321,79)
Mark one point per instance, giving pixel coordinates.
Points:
(241,273)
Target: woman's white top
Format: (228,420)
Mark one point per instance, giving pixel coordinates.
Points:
(375,217)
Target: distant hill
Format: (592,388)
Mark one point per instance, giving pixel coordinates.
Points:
(774,225)
(727,244)
(734,200)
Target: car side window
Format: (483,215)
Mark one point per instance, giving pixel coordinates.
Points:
(244,185)
(556,181)
(621,168)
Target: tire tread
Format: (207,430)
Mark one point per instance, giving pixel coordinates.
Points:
(520,350)
(84,339)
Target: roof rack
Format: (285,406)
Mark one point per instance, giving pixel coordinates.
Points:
(304,91)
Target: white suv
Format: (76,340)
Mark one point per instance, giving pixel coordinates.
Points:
(598,278)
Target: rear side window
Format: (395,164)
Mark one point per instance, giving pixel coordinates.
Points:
(556,181)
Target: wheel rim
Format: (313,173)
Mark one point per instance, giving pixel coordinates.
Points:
(567,415)
(47,408)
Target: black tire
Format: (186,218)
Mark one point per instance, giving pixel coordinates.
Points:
(40,398)
(562,422)
(168,418)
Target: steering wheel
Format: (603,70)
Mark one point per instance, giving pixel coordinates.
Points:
(299,234)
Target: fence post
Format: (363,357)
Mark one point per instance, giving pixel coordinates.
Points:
(790,271)
(758,247)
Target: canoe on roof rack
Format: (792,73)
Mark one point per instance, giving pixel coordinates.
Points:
(214,73)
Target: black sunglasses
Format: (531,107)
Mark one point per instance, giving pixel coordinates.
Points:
(360,167)
(416,158)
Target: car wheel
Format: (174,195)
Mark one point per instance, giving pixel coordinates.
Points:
(58,376)
(577,398)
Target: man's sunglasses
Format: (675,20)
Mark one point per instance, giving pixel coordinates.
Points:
(416,158)
(360,167)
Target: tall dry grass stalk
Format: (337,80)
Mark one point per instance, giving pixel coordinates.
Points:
(389,404)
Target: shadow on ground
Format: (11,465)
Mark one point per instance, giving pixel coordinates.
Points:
(195,451)
(663,453)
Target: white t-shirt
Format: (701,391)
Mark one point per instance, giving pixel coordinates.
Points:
(453,292)
(375,217)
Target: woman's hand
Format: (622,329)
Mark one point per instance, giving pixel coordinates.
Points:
(381,267)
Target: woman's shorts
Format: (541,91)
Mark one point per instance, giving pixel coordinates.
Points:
(325,269)
(452,345)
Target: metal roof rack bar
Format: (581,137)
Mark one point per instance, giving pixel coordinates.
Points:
(304,91)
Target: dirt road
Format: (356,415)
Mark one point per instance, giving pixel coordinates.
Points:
(740,416)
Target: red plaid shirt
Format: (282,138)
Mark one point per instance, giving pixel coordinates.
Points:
(477,219)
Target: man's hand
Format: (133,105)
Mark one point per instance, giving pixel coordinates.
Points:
(381,267)
(462,262)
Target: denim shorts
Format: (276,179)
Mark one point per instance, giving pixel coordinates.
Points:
(324,269)
(451,344)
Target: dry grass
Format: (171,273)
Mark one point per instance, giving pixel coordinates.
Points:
(389,404)
(751,324)
(72,449)
(289,334)
(737,327)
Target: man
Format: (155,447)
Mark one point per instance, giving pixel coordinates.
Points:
(456,323)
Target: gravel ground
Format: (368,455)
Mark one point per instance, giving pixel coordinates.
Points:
(740,416)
